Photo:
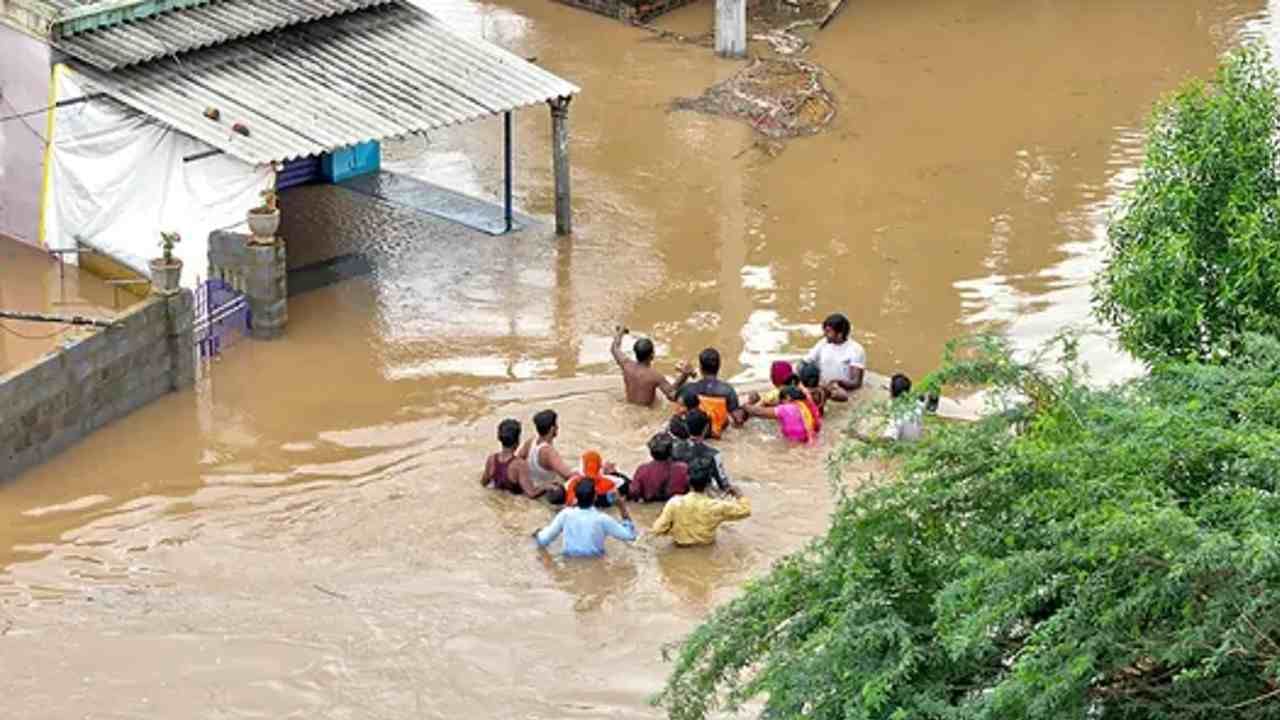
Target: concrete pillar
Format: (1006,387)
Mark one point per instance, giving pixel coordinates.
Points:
(258,271)
(560,160)
(731,28)
(266,286)
(180,339)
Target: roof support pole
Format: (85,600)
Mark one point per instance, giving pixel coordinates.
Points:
(731,28)
(507,122)
(560,159)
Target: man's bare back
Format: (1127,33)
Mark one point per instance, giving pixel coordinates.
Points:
(641,380)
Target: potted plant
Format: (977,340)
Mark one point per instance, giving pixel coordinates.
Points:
(166,270)
(264,220)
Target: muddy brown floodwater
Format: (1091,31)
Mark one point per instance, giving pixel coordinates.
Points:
(302,535)
(33,282)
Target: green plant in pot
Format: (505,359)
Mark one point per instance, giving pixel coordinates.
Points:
(264,220)
(166,270)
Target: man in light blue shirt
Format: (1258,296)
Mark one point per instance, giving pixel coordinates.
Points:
(585,527)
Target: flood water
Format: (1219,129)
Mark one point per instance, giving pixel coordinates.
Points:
(33,282)
(303,535)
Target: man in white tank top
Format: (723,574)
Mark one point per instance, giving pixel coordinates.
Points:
(545,463)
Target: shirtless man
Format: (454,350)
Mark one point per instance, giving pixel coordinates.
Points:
(639,376)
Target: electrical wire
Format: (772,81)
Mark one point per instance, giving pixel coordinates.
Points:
(142,118)
(21,118)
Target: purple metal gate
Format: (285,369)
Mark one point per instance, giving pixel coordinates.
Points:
(221,316)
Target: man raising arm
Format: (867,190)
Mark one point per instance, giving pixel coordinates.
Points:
(641,380)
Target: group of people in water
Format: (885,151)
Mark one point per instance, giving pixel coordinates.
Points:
(685,469)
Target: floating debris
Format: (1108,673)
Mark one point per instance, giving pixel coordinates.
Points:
(706,39)
(779,98)
(765,16)
(783,42)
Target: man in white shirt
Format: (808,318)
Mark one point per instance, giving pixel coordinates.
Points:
(905,425)
(839,359)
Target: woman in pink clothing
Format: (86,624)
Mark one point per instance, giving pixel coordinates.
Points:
(795,413)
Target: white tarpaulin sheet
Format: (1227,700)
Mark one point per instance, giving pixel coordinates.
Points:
(116,179)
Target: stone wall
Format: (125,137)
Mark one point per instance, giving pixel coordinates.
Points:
(50,403)
(628,10)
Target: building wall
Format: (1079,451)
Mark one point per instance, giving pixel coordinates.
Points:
(50,403)
(24,85)
(629,10)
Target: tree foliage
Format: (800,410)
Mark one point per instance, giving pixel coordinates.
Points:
(1195,250)
(1078,553)
(1091,554)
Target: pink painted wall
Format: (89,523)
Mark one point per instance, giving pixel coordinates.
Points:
(24,85)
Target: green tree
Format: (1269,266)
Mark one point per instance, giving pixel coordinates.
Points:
(1195,250)
(1089,554)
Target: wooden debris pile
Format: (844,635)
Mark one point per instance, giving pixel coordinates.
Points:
(780,98)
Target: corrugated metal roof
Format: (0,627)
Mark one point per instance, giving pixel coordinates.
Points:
(68,4)
(214,23)
(377,73)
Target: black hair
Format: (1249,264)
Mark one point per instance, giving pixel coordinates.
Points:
(839,323)
(790,393)
(555,495)
(585,491)
(709,361)
(509,433)
(697,422)
(701,470)
(660,447)
(809,374)
(644,350)
(899,384)
(678,428)
(544,421)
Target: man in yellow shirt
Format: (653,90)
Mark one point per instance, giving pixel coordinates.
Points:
(692,519)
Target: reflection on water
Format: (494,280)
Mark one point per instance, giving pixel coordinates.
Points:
(1033,307)
(31,281)
(305,534)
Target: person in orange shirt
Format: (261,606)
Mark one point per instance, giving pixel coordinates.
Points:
(714,396)
(594,468)
(692,518)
